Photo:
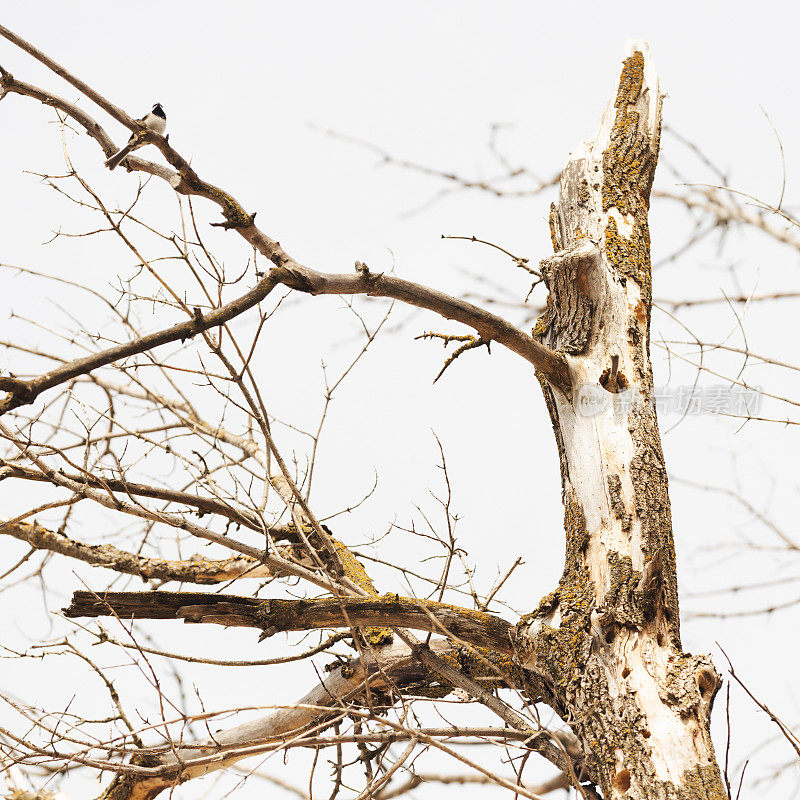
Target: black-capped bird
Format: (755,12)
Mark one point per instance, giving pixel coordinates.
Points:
(156,121)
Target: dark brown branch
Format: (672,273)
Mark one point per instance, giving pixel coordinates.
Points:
(273,616)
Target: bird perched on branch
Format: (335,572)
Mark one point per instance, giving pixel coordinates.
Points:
(155,120)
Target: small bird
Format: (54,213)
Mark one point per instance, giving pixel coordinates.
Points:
(156,121)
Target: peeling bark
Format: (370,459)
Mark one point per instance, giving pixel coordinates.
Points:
(170,766)
(607,641)
(395,668)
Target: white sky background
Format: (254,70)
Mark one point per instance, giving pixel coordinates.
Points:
(242,88)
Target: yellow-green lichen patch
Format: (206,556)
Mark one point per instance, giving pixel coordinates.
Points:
(235,215)
(544,320)
(354,569)
(628,167)
(651,496)
(691,685)
(630,80)
(623,576)
(350,566)
(575,528)
(377,637)
(561,652)
(630,257)
(487,667)
(701,783)
(546,604)
(629,164)
(625,164)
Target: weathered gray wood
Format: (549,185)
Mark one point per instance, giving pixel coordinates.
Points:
(608,639)
(273,616)
(162,768)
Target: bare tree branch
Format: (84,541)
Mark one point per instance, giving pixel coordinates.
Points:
(478,628)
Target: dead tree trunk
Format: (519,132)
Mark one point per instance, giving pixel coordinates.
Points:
(607,641)
(603,649)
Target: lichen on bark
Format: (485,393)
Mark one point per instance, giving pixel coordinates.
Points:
(559,651)
(607,640)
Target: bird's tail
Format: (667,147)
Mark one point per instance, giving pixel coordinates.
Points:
(117,158)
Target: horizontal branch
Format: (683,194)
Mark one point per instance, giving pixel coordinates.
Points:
(490,326)
(194,570)
(390,736)
(560,781)
(103,638)
(79,488)
(272,616)
(205,505)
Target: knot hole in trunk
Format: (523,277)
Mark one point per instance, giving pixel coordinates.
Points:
(612,380)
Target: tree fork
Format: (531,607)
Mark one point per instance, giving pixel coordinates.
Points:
(608,639)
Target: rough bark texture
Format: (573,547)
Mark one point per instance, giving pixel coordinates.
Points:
(195,569)
(274,616)
(607,641)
